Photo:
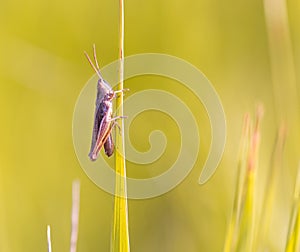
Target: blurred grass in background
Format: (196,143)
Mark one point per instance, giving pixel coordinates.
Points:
(42,72)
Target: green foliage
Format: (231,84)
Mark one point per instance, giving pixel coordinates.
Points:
(43,70)
(247,230)
(120,234)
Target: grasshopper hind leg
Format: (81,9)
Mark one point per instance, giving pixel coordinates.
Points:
(109,146)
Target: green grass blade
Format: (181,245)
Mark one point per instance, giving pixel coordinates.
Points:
(293,240)
(270,191)
(232,232)
(120,234)
(247,217)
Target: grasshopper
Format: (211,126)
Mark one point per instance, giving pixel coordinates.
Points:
(103,120)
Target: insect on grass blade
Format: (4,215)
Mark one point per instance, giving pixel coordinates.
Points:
(103,121)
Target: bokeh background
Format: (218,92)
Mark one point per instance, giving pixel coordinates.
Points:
(250,51)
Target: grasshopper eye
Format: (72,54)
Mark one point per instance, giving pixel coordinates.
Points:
(110,95)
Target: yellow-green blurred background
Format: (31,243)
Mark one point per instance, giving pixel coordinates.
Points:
(43,70)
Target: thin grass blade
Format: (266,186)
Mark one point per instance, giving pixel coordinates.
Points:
(293,239)
(232,232)
(247,217)
(120,234)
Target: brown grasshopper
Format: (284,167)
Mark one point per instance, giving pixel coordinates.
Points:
(103,120)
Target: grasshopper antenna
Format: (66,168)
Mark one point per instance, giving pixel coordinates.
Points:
(97,70)
(95,58)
